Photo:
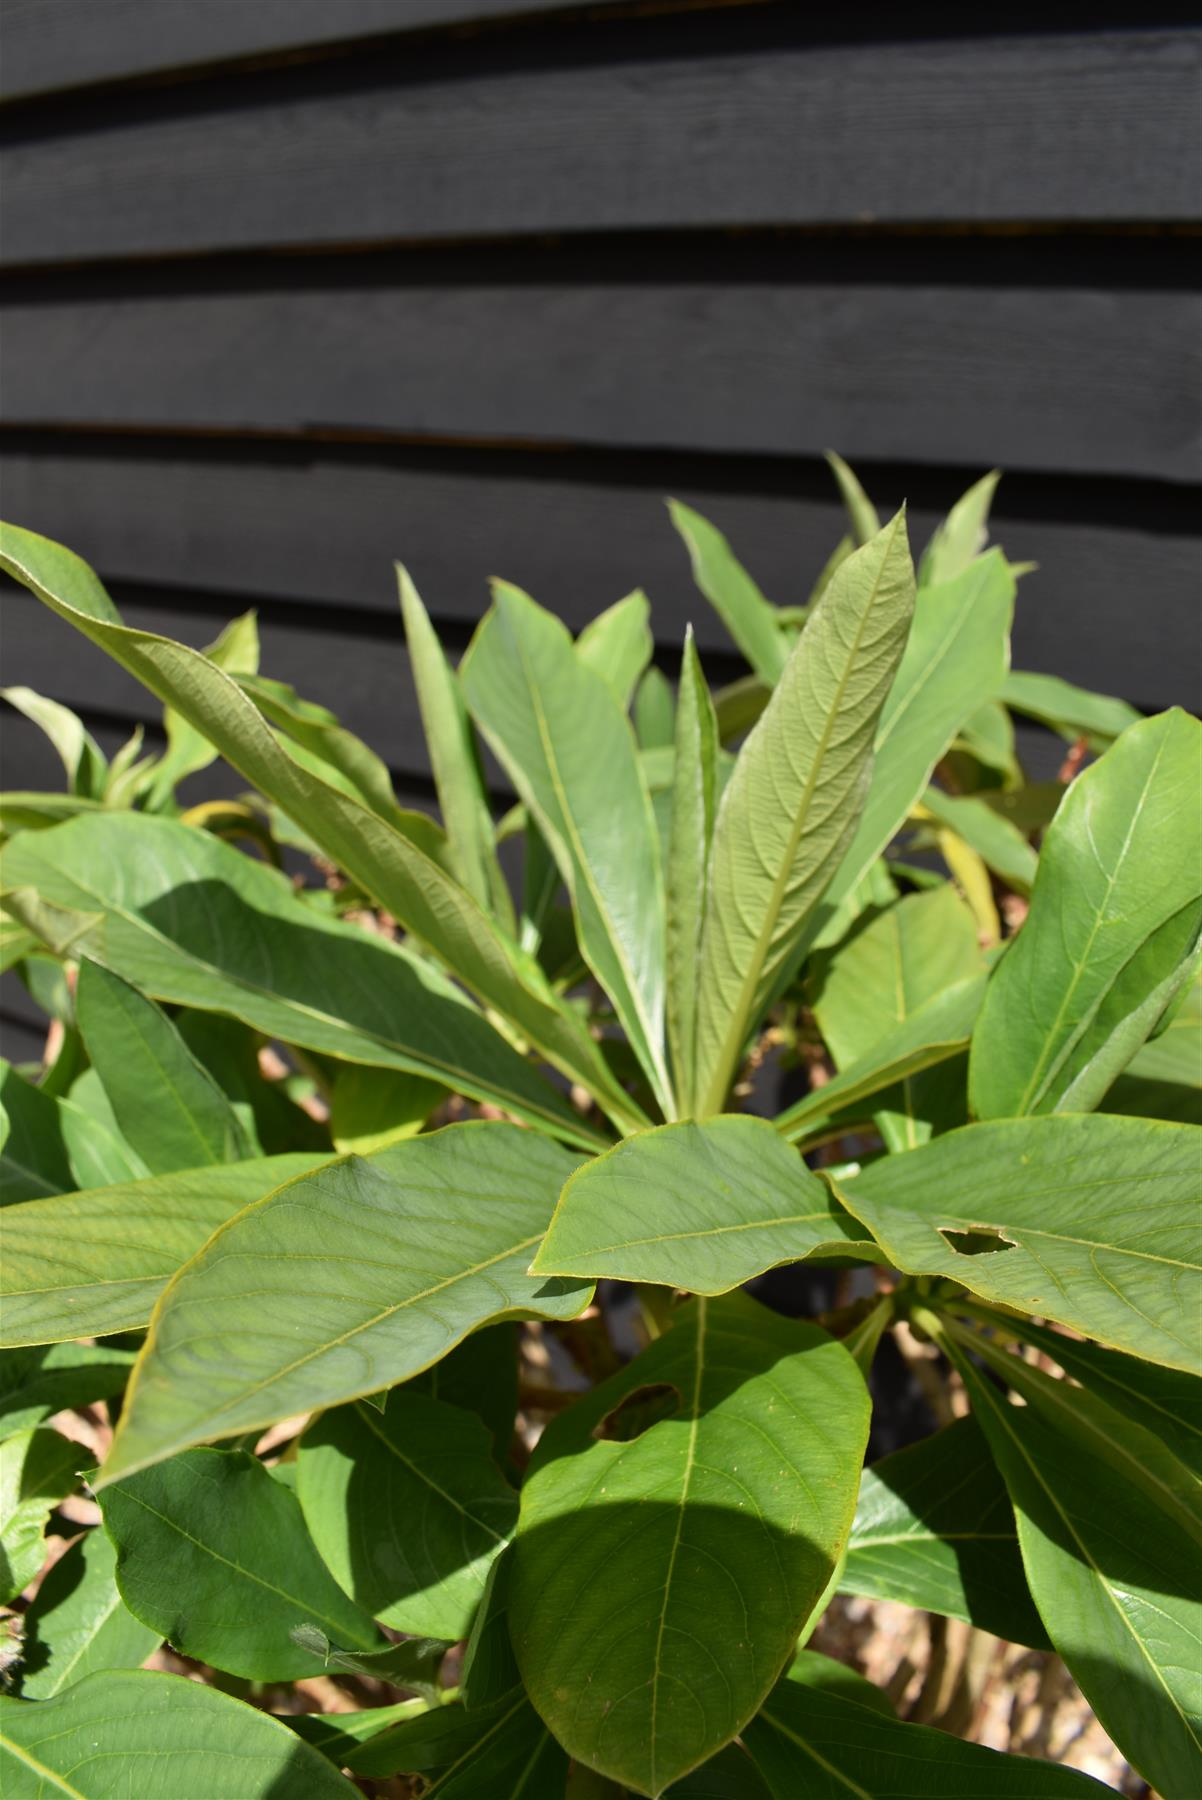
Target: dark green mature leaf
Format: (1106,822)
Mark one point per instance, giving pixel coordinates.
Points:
(567,746)
(481,1375)
(215,1556)
(403,1253)
(272,1121)
(1115,921)
(407,1507)
(84,1264)
(811,1741)
(1115,1568)
(1095,1222)
(39,1381)
(503,1750)
(168,1107)
(881,977)
(188,919)
(791,806)
(453,758)
(730,1199)
(750,619)
(934,1528)
(77,1622)
(955,659)
(128,1731)
(618,644)
(694,799)
(386,862)
(660,1580)
(52,1146)
(1072,711)
(37,1470)
(931,1035)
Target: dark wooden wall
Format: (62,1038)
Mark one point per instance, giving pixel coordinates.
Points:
(300,286)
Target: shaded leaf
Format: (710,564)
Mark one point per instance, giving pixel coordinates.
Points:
(998,842)
(370,1108)
(53,1146)
(77,1622)
(503,1750)
(37,1469)
(694,799)
(34,1383)
(1072,711)
(236,649)
(654,711)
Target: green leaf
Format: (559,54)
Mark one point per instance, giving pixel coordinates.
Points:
(955,659)
(694,798)
(1090,1221)
(370,1108)
(336,1735)
(810,1741)
(128,1731)
(997,841)
(750,619)
(454,760)
(414,1663)
(839,554)
(189,920)
(83,1264)
(489,1667)
(567,747)
(661,1575)
(77,1622)
(792,804)
(167,1106)
(236,649)
(618,644)
(654,711)
(78,751)
(1072,711)
(37,1470)
(388,864)
(1115,918)
(36,1382)
(731,1199)
(933,1034)
(53,1146)
(989,737)
(864,518)
(404,1253)
(1114,1571)
(216,1557)
(934,1529)
(271,1120)
(503,1750)
(880,978)
(1164,1079)
(962,536)
(481,1375)
(408,1509)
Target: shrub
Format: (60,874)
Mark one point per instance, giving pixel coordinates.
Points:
(993,1149)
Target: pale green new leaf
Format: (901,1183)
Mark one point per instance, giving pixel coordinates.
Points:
(130,1731)
(654,710)
(38,1468)
(78,1623)
(78,751)
(1072,711)
(407,1507)
(618,644)
(862,514)
(812,1742)
(453,759)
(167,1106)
(53,1146)
(188,750)
(881,977)
(700,1206)
(694,799)
(933,1034)
(998,842)
(934,1529)
(567,746)
(962,535)
(403,1253)
(1115,920)
(1115,1573)
(792,804)
(955,659)
(215,1556)
(84,1264)
(751,620)
(1092,1221)
(189,920)
(663,1570)
(393,867)
(370,1108)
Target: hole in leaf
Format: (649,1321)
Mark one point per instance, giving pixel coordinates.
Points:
(642,1408)
(982,1240)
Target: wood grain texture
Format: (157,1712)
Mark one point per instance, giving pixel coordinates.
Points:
(50,44)
(809,353)
(653,124)
(317,527)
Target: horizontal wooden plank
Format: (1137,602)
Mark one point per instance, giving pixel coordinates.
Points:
(51,44)
(811,351)
(320,526)
(658,126)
